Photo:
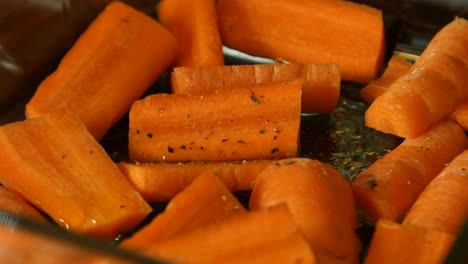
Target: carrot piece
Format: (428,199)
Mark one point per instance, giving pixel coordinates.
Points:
(428,92)
(443,205)
(204,202)
(194,25)
(258,122)
(389,187)
(57,165)
(264,236)
(320,92)
(13,203)
(161,181)
(321,202)
(395,243)
(460,114)
(396,67)
(113,63)
(313,31)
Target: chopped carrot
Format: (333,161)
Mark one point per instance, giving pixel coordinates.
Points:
(313,31)
(57,166)
(428,92)
(257,122)
(443,205)
(204,202)
(113,63)
(321,202)
(460,114)
(320,92)
(394,243)
(161,181)
(396,67)
(15,204)
(264,236)
(194,25)
(390,186)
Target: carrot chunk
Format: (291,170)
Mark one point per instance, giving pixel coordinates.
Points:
(13,203)
(57,165)
(161,181)
(320,92)
(321,202)
(257,122)
(204,202)
(194,25)
(460,114)
(390,186)
(307,31)
(113,63)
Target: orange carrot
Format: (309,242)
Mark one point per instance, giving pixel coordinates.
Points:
(113,63)
(194,25)
(161,181)
(394,243)
(57,165)
(258,122)
(428,92)
(396,67)
(321,202)
(307,31)
(460,114)
(13,203)
(443,205)
(320,91)
(204,202)
(265,236)
(389,187)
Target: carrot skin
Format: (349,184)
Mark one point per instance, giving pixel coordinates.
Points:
(113,63)
(321,202)
(320,92)
(258,122)
(390,186)
(161,181)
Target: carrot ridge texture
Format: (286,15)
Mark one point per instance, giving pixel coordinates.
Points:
(390,186)
(304,31)
(161,181)
(258,122)
(428,92)
(194,25)
(320,92)
(58,166)
(117,58)
(321,202)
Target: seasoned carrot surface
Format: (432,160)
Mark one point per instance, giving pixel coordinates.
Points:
(194,25)
(257,122)
(443,205)
(390,186)
(13,203)
(321,202)
(57,165)
(161,181)
(320,91)
(307,31)
(113,63)
(204,202)
(394,243)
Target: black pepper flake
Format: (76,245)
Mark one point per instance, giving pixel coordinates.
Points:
(183,147)
(224,140)
(372,182)
(149,135)
(254,99)
(275,137)
(262,131)
(274,150)
(241,141)
(169,149)
(122,206)
(202,148)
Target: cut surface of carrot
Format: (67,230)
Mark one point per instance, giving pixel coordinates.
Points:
(204,202)
(320,92)
(13,203)
(390,186)
(194,25)
(443,205)
(396,67)
(258,122)
(161,181)
(395,243)
(304,31)
(57,166)
(113,63)
(321,202)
